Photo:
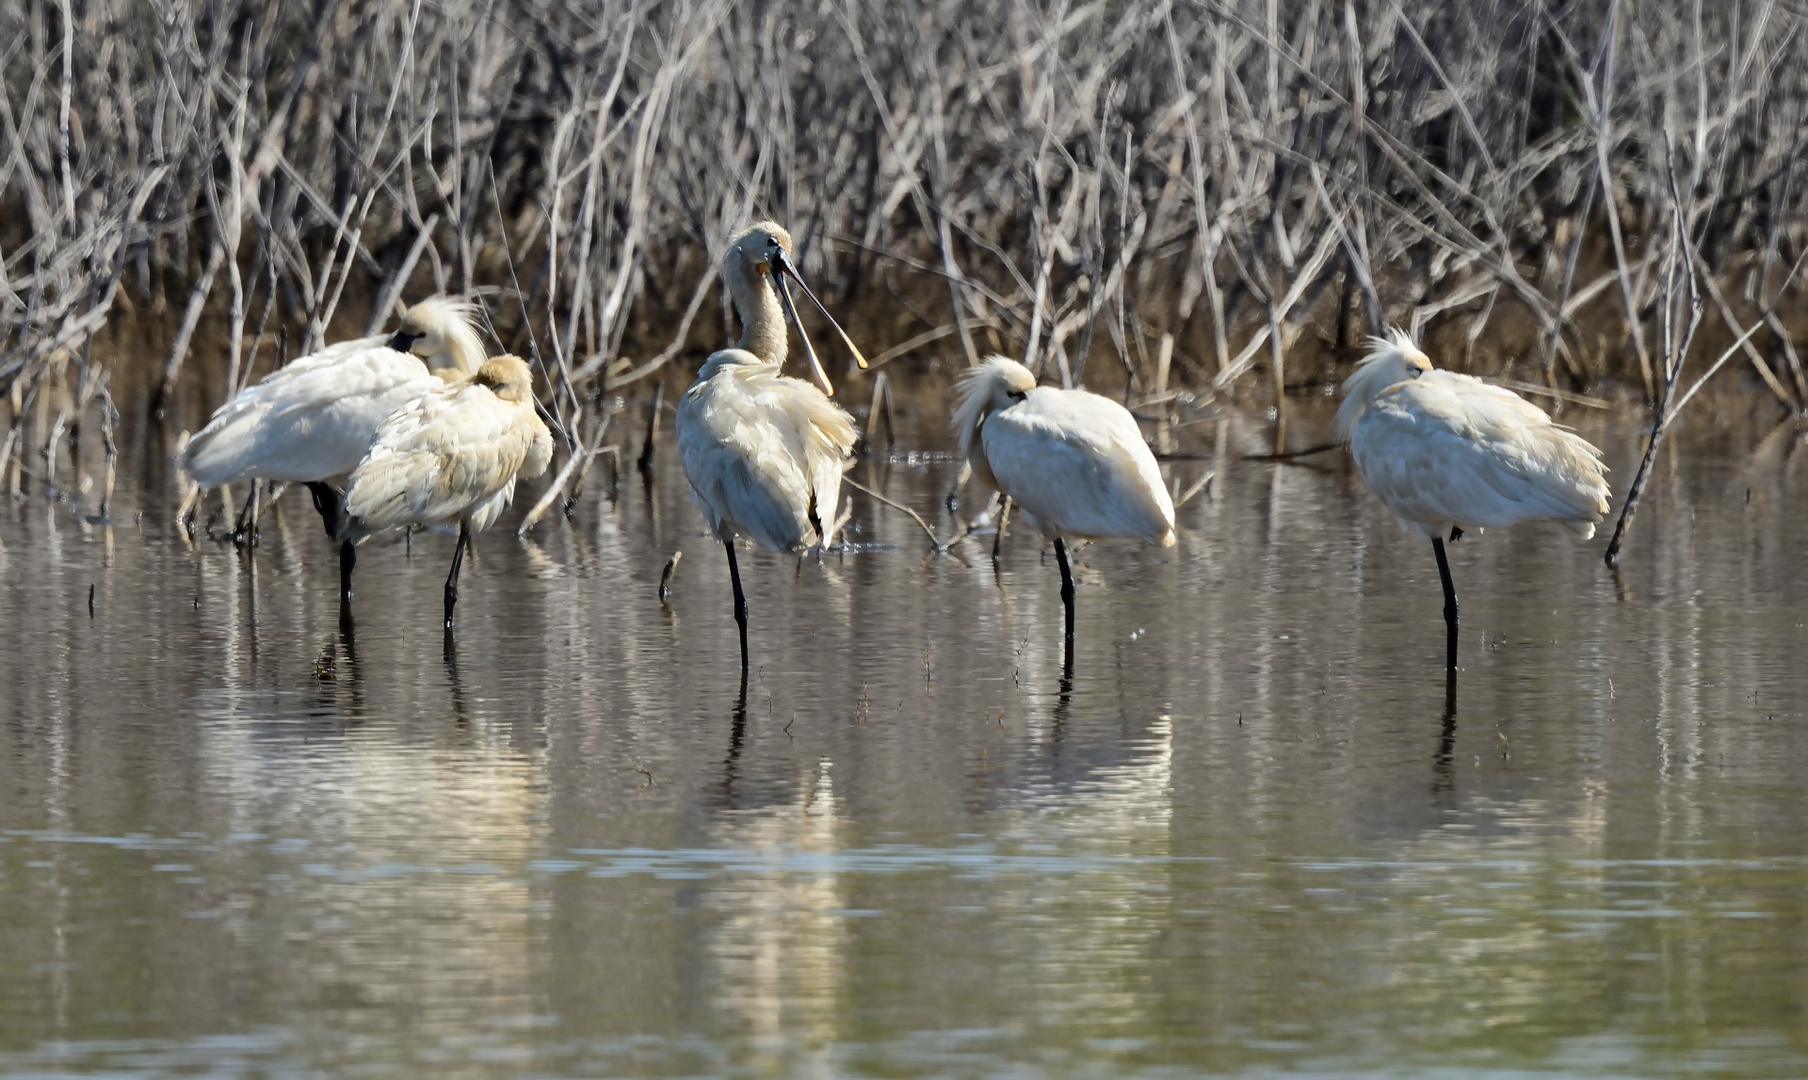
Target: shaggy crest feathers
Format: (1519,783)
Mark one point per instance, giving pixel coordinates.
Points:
(1392,360)
(983,389)
(445,325)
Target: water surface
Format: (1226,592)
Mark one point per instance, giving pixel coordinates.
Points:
(241,837)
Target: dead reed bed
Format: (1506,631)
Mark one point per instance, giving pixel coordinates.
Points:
(1189,194)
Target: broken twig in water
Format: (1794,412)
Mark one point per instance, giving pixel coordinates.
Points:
(918,518)
(1202,484)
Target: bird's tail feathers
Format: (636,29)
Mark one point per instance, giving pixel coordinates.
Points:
(223,451)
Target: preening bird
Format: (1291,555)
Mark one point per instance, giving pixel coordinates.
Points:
(451,455)
(1448,452)
(311,421)
(1073,461)
(764,452)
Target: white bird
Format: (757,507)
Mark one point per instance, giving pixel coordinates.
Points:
(1448,452)
(764,452)
(311,421)
(451,455)
(1073,461)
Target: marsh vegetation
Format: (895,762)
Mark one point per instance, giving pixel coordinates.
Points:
(1199,198)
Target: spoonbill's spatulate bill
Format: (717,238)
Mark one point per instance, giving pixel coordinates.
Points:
(451,456)
(764,452)
(1448,453)
(311,421)
(1074,462)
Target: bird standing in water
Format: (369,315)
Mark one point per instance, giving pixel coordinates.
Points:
(764,452)
(452,455)
(1448,452)
(311,421)
(1073,461)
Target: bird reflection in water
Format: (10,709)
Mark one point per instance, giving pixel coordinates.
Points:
(449,652)
(1064,700)
(1443,764)
(737,736)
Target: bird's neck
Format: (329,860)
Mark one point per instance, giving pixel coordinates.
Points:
(762,317)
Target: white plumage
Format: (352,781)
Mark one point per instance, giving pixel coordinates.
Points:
(451,456)
(311,421)
(1074,461)
(1448,452)
(763,452)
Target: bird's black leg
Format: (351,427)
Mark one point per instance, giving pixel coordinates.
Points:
(740,598)
(1437,545)
(348,558)
(458,560)
(1456,533)
(244,533)
(1067,585)
(327,499)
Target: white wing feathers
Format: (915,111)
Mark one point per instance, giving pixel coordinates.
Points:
(763,452)
(311,420)
(1448,450)
(1076,462)
(452,454)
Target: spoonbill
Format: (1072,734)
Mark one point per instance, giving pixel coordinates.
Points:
(451,455)
(311,421)
(764,452)
(1448,452)
(1073,461)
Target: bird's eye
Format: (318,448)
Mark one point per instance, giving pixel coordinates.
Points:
(1019,395)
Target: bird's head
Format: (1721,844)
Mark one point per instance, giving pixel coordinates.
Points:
(508,377)
(1391,360)
(761,253)
(997,383)
(439,331)
(760,248)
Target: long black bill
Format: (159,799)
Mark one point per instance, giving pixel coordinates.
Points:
(784,268)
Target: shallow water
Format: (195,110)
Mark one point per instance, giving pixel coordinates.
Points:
(240,838)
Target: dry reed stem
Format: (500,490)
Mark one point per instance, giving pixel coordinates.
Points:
(1452,166)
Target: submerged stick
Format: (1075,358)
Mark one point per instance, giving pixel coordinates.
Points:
(918,518)
(645,463)
(1202,484)
(881,400)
